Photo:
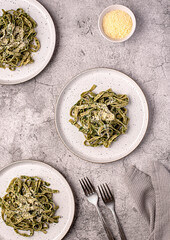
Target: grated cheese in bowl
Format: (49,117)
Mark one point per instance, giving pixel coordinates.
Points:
(117,24)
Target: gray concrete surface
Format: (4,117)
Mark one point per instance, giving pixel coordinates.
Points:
(27,128)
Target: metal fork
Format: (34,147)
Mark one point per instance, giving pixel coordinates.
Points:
(92,197)
(108,199)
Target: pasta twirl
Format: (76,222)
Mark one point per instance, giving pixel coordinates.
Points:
(28,205)
(100,117)
(17,39)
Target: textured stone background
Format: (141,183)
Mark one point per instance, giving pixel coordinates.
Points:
(27,129)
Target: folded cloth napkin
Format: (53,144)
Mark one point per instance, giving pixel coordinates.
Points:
(152,196)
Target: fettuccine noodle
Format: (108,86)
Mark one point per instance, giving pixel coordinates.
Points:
(100,117)
(17,39)
(28,205)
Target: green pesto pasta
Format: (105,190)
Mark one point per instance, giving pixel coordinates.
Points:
(100,117)
(17,39)
(28,205)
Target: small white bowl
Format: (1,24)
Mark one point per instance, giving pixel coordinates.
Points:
(111,8)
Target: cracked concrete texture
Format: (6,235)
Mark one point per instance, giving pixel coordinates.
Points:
(27,110)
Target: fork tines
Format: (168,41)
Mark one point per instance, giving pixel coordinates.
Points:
(87,186)
(105,193)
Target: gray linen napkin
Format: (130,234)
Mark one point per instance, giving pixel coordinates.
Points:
(152,196)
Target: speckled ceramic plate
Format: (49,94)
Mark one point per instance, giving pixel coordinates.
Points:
(45,33)
(64,198)
(137,111)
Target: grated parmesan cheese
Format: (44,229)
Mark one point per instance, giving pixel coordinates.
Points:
(117,24)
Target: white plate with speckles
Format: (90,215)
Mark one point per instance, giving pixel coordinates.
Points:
(45,33)
(64,198)
(137,112)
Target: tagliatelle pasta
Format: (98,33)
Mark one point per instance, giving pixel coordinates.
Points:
(28,205)
(17,39)
(100,117)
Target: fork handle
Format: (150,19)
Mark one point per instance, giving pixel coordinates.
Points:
(108,232)
(121,232)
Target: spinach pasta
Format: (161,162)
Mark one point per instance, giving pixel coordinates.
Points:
(28,205)
(102,117)
(17,39)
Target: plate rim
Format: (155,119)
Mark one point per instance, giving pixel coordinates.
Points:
(144,127)
(65,181)
(25,79)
